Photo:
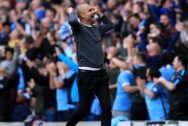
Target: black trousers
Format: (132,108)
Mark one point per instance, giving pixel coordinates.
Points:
(90,83)
(178,109)
(139,111)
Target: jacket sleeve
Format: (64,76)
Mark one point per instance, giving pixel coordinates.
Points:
(74,23)
(106,25)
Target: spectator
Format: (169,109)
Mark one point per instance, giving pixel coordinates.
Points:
(122,104)
(166,25)
(178,89)
(10,62)
(61,83)
(167,70)
(155,96)
(4,96)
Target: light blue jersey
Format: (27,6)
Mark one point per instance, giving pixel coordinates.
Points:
(73,67)
(158,108)
(123,100)
(62,95)
(167,72)
(74,92)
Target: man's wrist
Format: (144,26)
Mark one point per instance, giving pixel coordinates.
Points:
(100,14)
(70,10)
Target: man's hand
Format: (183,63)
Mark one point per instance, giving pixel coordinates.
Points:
(98,12)
(69,10)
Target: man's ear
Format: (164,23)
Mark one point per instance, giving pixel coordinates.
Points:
(82,15)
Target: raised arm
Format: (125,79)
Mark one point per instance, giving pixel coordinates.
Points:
(106,26)
(71,64)
(143,43)
(106,23)
(73,21)
(174,39)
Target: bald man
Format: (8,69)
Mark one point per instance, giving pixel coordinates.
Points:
(92,78)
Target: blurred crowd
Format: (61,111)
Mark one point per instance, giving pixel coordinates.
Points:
(145,57)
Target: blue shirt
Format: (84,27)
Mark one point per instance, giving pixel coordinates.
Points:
(95,107)
(62,95)
(123,100)
(74,92)
(167,72)
(158,108)
(178,77)
(21,83)
(65,31)
(73,67)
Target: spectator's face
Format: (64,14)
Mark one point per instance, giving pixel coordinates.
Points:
(127,6)
(9,55)
(46,22)
(176,63)
(153,49)
(164,20)
(5,3)
(168,4)
(6,29)
(136,9)
(135,60)
(80,2)
(111,4)
(12,14)
(154,29)
(94,2)
(35,4)
(21,5)
(50,15)
(134,22)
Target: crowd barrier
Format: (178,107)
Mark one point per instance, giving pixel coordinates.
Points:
(123,123)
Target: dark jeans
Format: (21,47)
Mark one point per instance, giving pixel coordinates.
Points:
(90,83)
(178,110)
(139,111)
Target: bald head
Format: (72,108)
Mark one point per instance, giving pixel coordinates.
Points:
(46,22)
(154,49)
(86,13)
(80,9)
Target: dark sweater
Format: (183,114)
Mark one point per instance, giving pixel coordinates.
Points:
(88,41)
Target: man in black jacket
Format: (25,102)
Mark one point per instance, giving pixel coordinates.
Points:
(92,79)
